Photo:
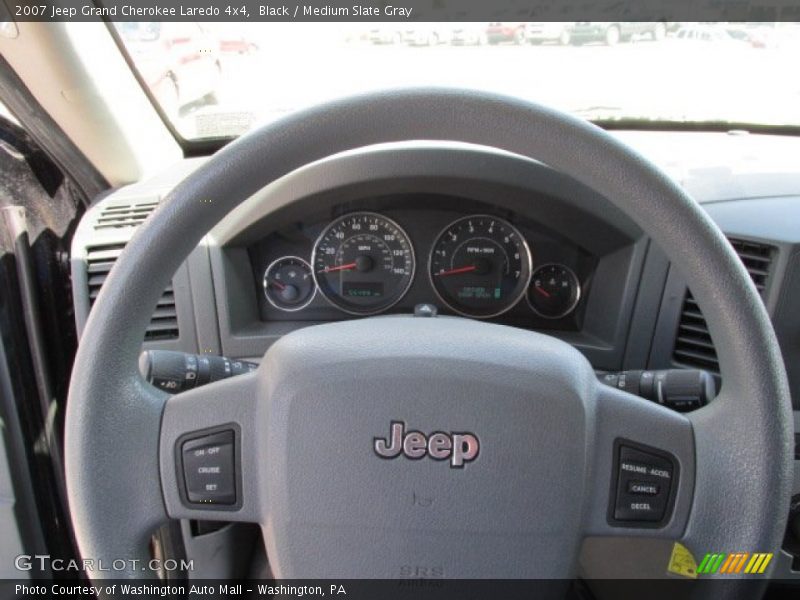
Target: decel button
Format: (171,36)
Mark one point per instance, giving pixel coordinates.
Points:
(209,468)
(639,510)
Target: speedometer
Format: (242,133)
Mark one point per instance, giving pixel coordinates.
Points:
(363,263)
(480,266)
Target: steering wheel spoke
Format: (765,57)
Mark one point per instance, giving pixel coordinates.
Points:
(209,451)
(643,468)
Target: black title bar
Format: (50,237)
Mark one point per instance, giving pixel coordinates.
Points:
(401,10)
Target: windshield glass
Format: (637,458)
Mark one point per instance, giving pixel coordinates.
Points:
(219,80)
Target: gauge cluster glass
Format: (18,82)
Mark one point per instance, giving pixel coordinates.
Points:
(554,291)
(363,263)
(289,284)
(480,266)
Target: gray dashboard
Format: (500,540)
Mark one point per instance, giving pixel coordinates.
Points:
(637,312)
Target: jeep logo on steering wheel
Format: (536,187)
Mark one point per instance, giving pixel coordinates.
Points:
(460,448)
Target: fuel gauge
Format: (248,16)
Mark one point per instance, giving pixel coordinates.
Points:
(554,291)
(288,283)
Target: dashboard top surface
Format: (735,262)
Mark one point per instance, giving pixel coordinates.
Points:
(711,166)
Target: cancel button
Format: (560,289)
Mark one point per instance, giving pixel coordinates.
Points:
(640,488)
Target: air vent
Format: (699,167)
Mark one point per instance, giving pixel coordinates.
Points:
(693,346)
(118,216)
(757,258)
(164,324)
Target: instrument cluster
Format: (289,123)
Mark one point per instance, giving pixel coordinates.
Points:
(366,263)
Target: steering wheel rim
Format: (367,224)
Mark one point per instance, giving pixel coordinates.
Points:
(742,440)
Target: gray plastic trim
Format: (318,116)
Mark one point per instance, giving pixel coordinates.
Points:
(203,301)
(646,310)
(424,165)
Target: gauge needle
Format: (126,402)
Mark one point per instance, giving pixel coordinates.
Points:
(457,271)
(277,284)
(346,267)
(541,291)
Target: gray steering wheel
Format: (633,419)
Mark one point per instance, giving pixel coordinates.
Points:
(532,446)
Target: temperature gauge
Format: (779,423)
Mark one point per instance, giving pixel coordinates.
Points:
(289,284)
(554,291)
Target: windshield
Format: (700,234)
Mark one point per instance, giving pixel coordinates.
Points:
(220,80)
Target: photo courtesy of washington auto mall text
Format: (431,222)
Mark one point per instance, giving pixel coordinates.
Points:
(195,591)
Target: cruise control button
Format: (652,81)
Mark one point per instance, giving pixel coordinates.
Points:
(631,467)
(209,469)
(643,489)
(644,485)
(660,472)
(638,462)
(639,510)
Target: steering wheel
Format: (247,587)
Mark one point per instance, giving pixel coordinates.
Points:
(463,447)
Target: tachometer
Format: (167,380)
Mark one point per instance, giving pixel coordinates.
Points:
(480,266)
(363,263)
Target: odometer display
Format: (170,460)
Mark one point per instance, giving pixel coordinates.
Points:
(363,263)
(480,266)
